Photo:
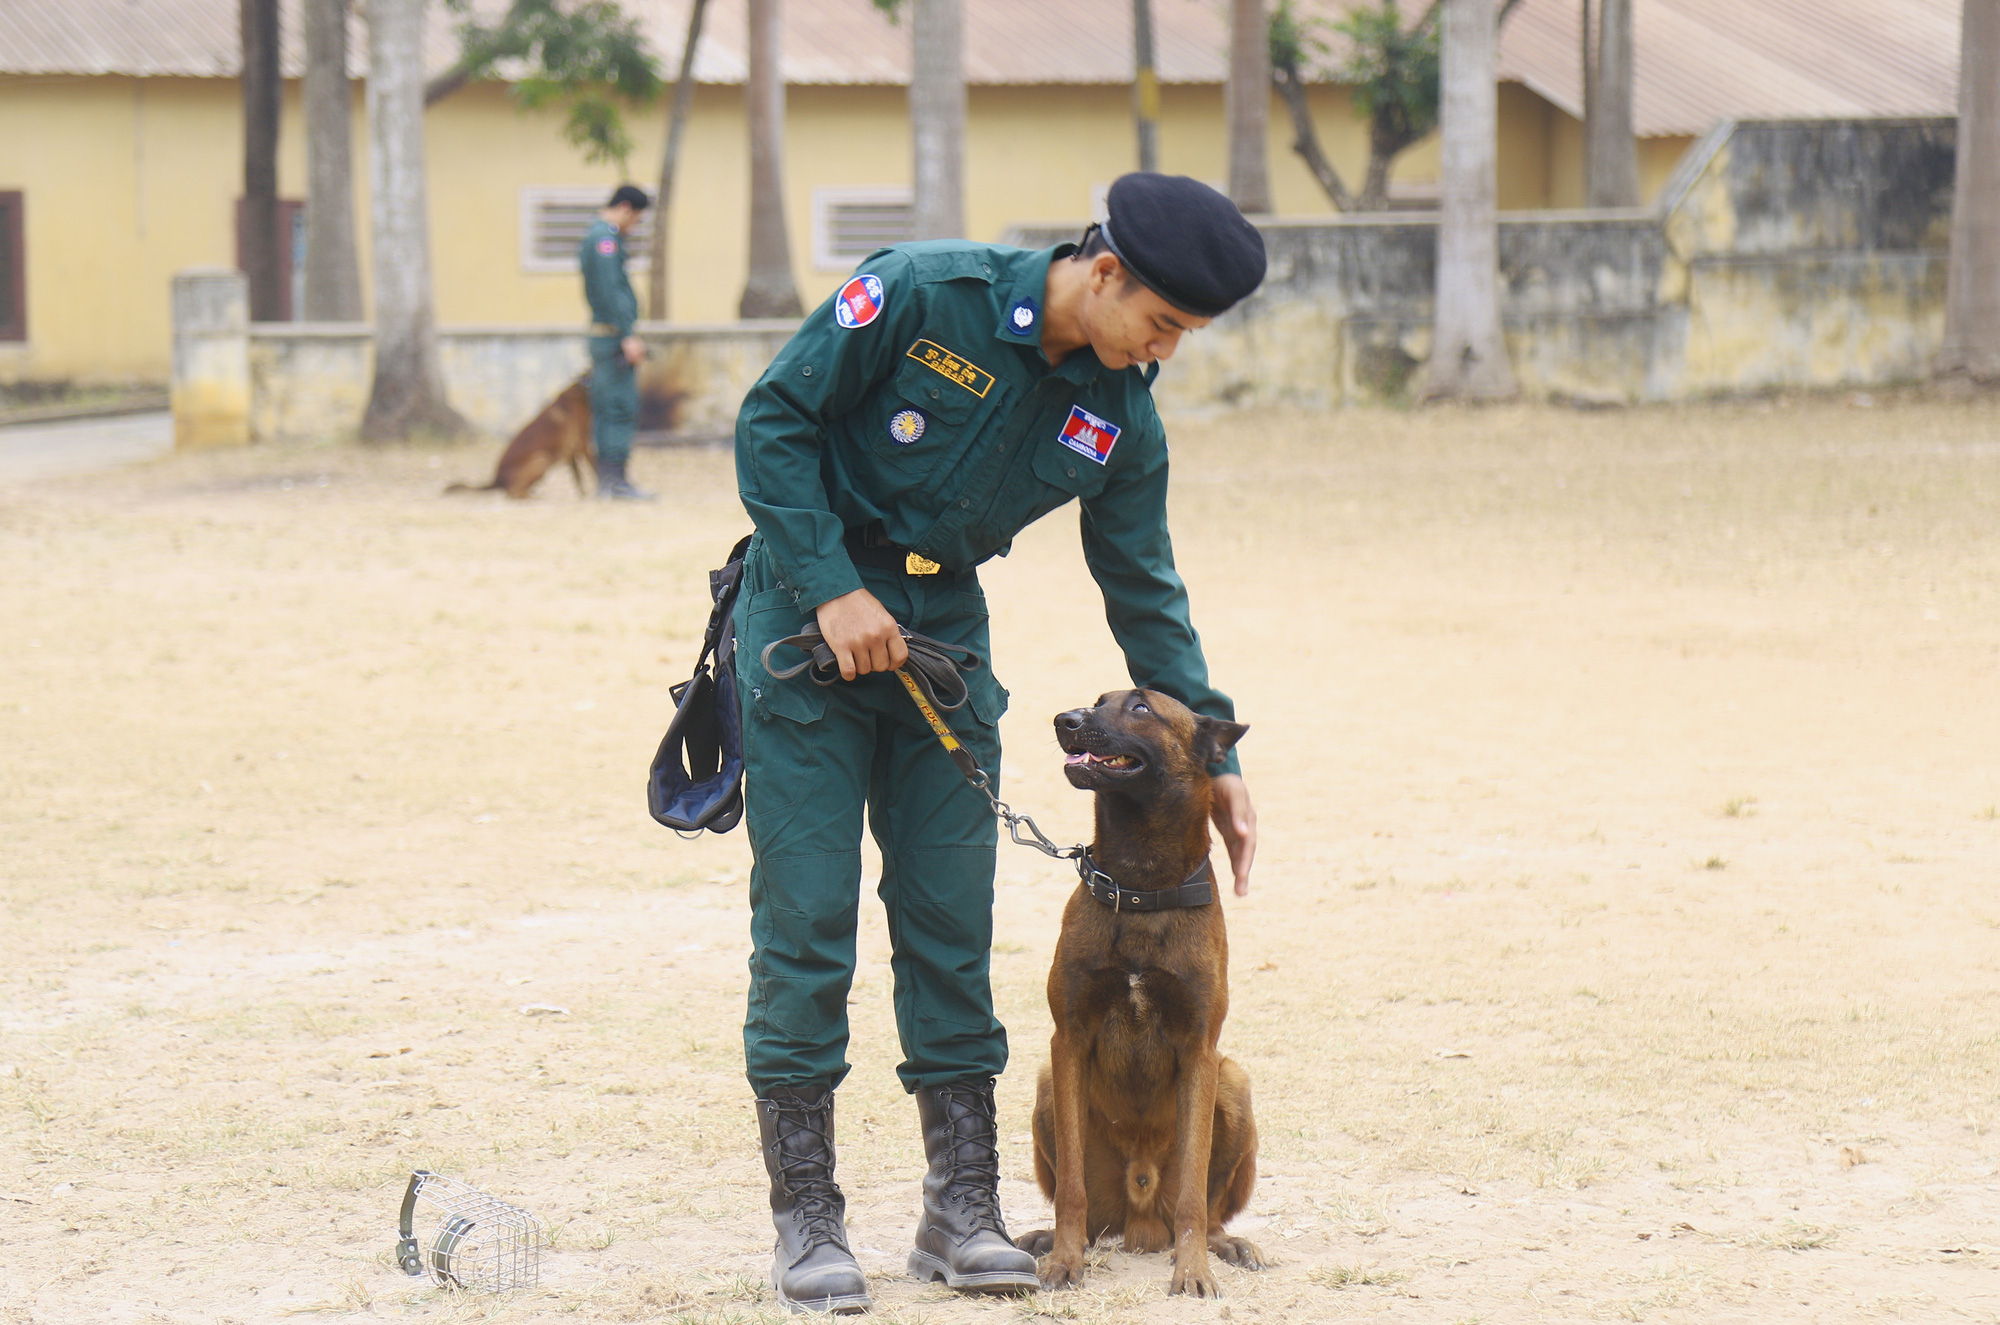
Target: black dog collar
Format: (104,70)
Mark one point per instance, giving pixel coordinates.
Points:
(1199,890)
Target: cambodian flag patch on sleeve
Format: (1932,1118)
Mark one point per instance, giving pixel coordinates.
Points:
(859,302)
(1088,435)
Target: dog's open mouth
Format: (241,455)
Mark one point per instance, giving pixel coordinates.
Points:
(1109,763)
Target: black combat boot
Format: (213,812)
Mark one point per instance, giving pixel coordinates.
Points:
(612,485)
(812,1268)
(960,1238)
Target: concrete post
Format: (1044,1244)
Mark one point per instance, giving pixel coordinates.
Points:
(211,383)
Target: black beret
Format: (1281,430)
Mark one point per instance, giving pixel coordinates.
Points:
(1184,241)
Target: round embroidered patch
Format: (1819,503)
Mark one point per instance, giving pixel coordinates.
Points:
(1023,316)
(607,246)
(859,301)
(906,426)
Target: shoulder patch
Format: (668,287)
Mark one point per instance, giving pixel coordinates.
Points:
(859,302)
(955,366)
(607,246)
(1088,435)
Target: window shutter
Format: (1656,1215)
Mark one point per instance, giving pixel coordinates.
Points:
(553,221)
(849,224)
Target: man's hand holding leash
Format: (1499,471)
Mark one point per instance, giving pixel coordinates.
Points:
(863,636)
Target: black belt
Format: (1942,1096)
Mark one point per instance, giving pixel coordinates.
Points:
(1199,890)
(868,545)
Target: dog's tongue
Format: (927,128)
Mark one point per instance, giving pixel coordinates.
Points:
(1076,760)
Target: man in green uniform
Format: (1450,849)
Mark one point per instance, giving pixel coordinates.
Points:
(614,351)
(946,397)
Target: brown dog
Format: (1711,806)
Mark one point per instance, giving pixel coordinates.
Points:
(1140,1124)
(560,434)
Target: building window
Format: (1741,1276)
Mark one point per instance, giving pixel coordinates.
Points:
(849,224)
(554,218)
(13,270)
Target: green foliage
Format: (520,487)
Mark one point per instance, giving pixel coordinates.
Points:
(1393,70)
(893,8)
(583,55)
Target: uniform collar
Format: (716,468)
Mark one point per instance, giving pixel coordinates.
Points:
(1021,314)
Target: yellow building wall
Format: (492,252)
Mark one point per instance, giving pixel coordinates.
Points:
(128,180)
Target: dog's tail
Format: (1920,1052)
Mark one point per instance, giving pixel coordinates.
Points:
(1142,1184)
(467,487)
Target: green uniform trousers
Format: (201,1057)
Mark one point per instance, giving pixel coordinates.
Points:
(614,398)
(813,757)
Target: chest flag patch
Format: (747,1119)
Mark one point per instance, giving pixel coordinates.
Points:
(1088,435)
(859,302)
(607,246)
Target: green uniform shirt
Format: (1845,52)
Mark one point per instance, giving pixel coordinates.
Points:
(919,396)
(602,257)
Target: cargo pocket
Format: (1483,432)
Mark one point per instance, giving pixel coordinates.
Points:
(773,615)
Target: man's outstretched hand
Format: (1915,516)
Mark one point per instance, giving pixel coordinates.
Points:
(1236,820)
(863,636)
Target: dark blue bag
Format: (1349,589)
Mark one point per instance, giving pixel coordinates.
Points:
(696,780)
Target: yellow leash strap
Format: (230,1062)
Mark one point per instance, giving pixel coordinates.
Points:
(952,745)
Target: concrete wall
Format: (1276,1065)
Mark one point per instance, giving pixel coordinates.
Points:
(1782,254)
(310,381)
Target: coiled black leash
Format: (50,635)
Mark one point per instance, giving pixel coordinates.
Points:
(934,678)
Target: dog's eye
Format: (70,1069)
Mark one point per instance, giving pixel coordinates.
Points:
(1140,708)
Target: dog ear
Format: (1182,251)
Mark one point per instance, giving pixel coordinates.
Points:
(1214,738)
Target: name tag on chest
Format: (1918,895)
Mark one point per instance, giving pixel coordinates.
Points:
(942,361)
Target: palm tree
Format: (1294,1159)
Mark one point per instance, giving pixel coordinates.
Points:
(408,394)
(1972,282)
(333,273)
(263,94)
(769,291)
(1247,106)
(1145,86)
(677,118)
(937,118)
(1610,149)
(1468,354)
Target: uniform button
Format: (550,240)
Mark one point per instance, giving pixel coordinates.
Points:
(1071,471)
(934,390)
(964,503)
(807,371)
(1003,448)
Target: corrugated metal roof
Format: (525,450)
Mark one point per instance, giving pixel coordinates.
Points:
(1698,61)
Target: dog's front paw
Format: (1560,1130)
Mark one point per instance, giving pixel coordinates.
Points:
(1240,1252)
(1060,1271)
(1192,1275)
(1038,1243)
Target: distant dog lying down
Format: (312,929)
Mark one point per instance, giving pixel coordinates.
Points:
(559,434)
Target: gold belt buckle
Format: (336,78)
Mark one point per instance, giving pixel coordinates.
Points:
(918,564)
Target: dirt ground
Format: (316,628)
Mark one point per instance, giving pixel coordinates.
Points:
(1623,944)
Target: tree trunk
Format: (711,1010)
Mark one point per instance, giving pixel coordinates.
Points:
(1972,282)
(1611,150)
(1247,106)
(677,118)
(408,394)
(1468,354)
(333,273)
(1375,188)
(263,92)
(1305,137)
(1145,86)
(769,291)
(937,118)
